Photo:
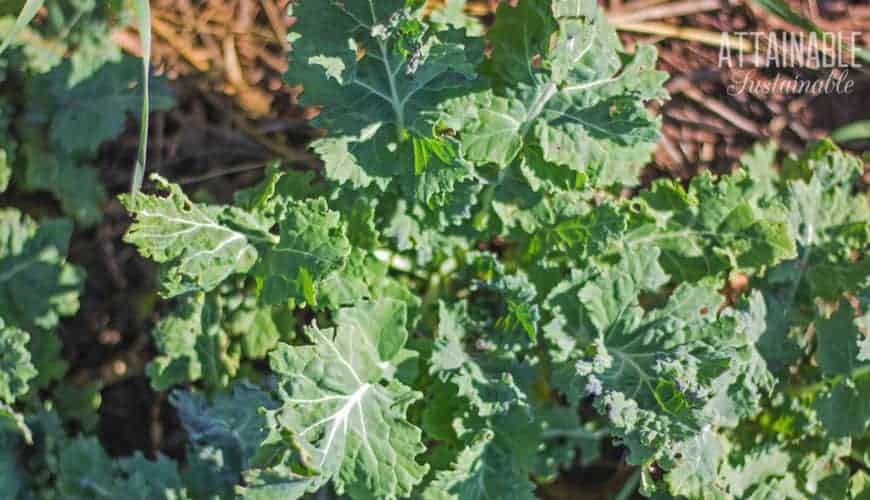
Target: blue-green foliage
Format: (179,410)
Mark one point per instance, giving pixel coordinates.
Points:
(431,316)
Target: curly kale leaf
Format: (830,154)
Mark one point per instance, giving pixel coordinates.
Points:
(38,286)
(482,379)
(660,374)
(212,337)
(843,408)
(16,368)
(379,70)
(487,467)
(16,373)
(343,414)
(480,410)
(80,30)
(76,185)
(196,243)
(560,86)
(831,225)
(201,246)
(312,244)
(193,345)
(716,227)
(84,471)
(225,436)
(82,116)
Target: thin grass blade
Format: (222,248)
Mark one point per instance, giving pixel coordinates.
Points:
(143,24)
(24,17)
(782,10)
(855,131)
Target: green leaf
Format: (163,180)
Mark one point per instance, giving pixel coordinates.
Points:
(93,48)
(698,467)
(859,486)
(482,470)
(145,479)
(312,244)
(11,420)
(839,335)
(349,426)
(383,322)
(77,186)
(37,285)
(716,227)
(765,470)
(95,110)
(844,409)
(748,380)
(483,381)
(79,403)
(193,346)
(40,53)
(84,471)
(377,72)
(759,162)
(225,434)
(654,370)
(452,14)
(45,351)
(578,100)
(284,485)
(17,371)
(363,278)
(258,328)
(11,475)
(195,242)
(565,440)
(829,223)
(16,368)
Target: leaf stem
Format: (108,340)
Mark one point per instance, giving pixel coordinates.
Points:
(394,94)
(72,24)
(574,433)
(630,486)
(537,106)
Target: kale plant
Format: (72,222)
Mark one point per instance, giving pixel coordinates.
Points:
(463,303)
